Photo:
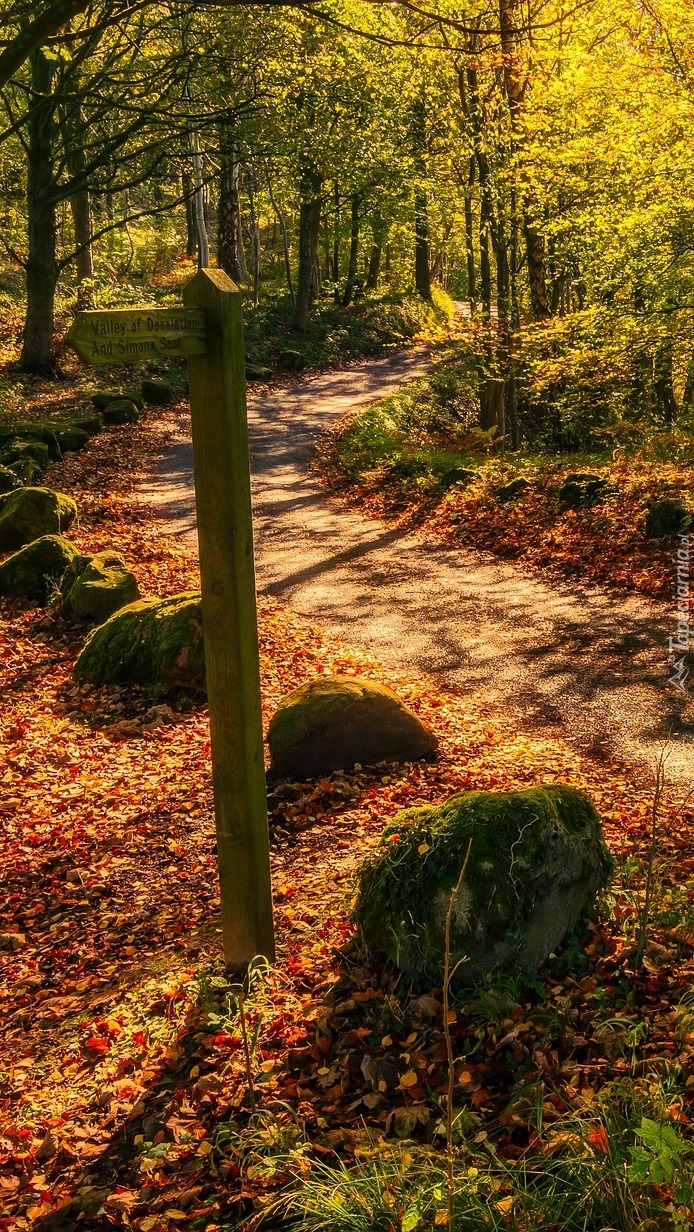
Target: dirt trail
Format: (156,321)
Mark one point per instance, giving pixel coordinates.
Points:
(590,663)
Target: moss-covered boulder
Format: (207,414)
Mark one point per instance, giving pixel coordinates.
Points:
(336,721)
(27,471)
(513,489)
(71,437)
(448,477)
(35,571)
(257,372)
(154,642)
(94,587)
(290,360)
(29,513)
(536,862)
(121,411)
(583,489)
(40,430)
(666,517)
(87,422)
(9,480)
(101,397)
(157,392)
(17,449)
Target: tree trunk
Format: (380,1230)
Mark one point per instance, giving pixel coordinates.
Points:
(255,243)
(285,240)
(422,272)
(80,205)
(38,354)
(336,235)
(187,190)
(353,250)
(309,231)
(534,240)
(229,238)
(374,266)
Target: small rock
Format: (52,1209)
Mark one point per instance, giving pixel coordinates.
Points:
(16,451)
(102,397)
(291,361)
(122,411)
(157,392)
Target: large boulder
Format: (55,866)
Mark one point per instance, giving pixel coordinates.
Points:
(536,862)
(336,721)
(29,513)
(95,587)
(121,411)
(154,642)
(35,571)
(666,517)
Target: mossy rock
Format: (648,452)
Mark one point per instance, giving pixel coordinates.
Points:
(71,438)
(455,475)
(35,571)
(256,372)
(536,863)
(86,422)
(405,469)
(94,587)
(9,480)
(42,431)
(291,361)
(666,517)
(30,513)
(122,411)
(581,490)
(157,392)
(336,721)
(513,489)
(157,643)
(16,450)
(27,471)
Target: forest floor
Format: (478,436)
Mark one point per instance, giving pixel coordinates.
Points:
(126,1100)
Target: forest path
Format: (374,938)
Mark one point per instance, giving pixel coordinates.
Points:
(586,662)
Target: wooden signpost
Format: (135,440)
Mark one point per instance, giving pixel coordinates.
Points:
(209,331)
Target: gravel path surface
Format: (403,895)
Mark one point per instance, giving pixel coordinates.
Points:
(589,663)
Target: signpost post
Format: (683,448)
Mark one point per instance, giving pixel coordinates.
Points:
(209,331)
